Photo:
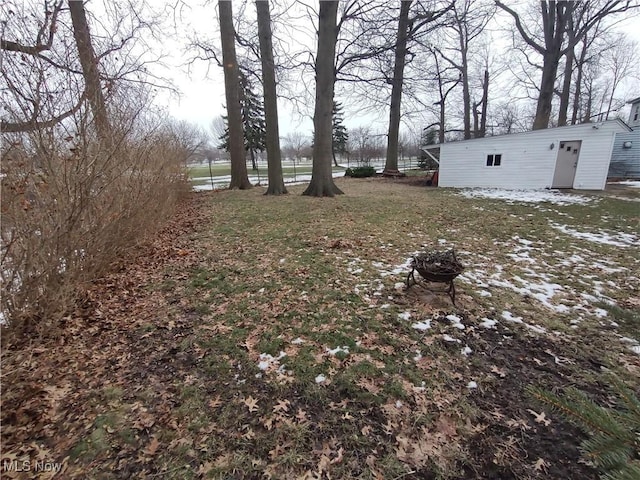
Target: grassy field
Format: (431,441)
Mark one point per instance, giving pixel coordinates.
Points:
(273,337)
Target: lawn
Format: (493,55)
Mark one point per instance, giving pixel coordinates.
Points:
(273,337)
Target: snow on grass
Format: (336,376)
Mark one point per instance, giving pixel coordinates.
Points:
(509,317)
(448,338)
(344,349)
(321,378)
(268,361)
(471,385)
(404,315)
(616,239)
(424,325)
(488,323)
(455,322)
(539,276)
(466,351)
(629,183)
(297,341)
(527,196)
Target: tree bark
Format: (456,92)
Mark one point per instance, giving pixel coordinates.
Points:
(480,118)
(322,184)
(547,85)
(566,89)
(466,94)
(578,89)
(274,160)
(89,63)
(391,164)
(239,176)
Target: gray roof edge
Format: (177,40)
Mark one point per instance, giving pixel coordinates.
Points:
(621,122)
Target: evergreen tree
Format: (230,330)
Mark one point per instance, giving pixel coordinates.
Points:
(340,134)
(255,134)
(614,434)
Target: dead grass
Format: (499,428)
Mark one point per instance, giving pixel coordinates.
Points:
(270,338)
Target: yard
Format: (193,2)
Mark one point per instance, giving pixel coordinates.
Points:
(273,337)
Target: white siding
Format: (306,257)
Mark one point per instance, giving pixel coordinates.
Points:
(527,159)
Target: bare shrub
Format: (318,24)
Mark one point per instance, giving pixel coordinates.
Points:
(72,205)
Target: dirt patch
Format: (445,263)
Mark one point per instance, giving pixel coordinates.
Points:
(517,428)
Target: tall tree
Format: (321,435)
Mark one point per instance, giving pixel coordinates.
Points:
(239,176)
(274,161)
(468,21)
(322,184)
(340,135)
(89,63)
(253,122)
(391,164)
(480,117)
(446,85)
(556,15)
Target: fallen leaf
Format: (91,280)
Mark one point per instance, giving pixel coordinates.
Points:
(281,406)
(347,416)
(339,456)
(301,416)
(540,417)
(251,403)
(215,402)
(540,464)
(152,447)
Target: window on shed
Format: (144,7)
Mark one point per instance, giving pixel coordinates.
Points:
(494,160)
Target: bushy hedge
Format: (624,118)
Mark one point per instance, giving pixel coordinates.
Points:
(72,205)
(360,172)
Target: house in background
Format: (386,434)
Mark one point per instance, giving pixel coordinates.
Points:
(575,156)
(625,156)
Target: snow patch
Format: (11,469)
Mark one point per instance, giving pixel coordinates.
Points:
(527,196)
(344,349)
(617,239)
(488,323)
(508,316)
(424,325)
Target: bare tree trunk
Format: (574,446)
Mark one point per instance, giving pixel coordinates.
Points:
(391,165)
(547,85)
(274,160)
(466,95)
(89,65)
(578,90)
(480,118)
(322,184)
(566,89)
(239,176)
(587,112)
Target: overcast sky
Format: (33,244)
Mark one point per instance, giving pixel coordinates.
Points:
(202,85)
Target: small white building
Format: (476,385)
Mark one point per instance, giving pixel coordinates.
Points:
(625,157)
(575,156)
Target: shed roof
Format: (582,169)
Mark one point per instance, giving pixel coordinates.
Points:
(624,128)
(635,100)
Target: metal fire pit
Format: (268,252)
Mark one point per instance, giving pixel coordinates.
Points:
(437,267)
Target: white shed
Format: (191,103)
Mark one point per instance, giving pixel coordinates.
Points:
(575,156)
